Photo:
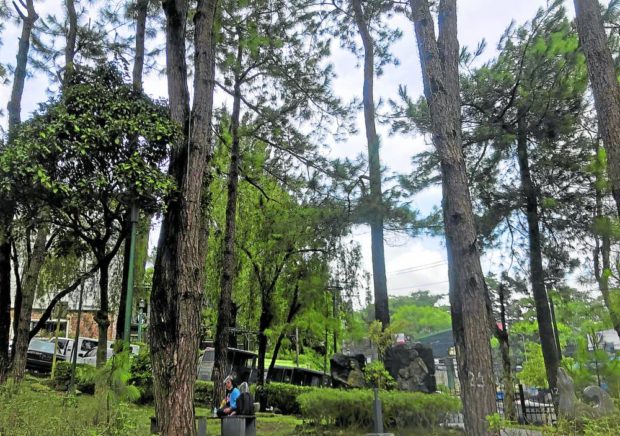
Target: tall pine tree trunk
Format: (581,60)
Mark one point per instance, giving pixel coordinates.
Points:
(604,82)
(374,168)
(7,205)
(224,311)
(602,252)
(470,321)
(537,275)
(176,298)
(28,290)
(504,348)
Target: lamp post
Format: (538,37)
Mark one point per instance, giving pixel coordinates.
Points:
(130,271)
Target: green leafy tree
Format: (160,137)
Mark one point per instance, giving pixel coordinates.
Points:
(85,156)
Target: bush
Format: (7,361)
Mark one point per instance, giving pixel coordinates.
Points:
(203,393)
(377,376)
(142,375)
(353,408)
(83,377)
(282,396)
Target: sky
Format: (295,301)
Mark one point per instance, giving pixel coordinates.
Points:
(411,263)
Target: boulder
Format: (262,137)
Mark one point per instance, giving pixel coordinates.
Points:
(347,371)
(412,365)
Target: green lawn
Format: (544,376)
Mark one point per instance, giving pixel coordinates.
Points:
(35,409)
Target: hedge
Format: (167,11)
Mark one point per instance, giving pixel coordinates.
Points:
(282,396)
(353,408)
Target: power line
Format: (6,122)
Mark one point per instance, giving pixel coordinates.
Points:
(418,268)
(417,286)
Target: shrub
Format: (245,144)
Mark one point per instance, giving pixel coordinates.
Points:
(282,396)
(83,377)
(203,393)
(376,375)
(142,375)
(353,408)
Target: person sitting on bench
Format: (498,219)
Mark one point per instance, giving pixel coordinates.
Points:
(229,404)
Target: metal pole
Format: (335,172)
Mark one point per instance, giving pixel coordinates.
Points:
(378,413)
(132,254)
(77,337)
(297,346)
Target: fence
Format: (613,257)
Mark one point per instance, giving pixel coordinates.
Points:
(532,407)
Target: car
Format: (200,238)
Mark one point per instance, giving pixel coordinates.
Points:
(40,356)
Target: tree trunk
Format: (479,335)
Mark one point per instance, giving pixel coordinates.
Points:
(176,298)
(228,260)
(7,205)
(102,316)
(374,169)
(470,321)
(537,275)
(266,316)
(145,220)
(71,45)
(504,347)
(602,249)
(138,64)
(604,82)
(21,339)
(232,332)
(292,311)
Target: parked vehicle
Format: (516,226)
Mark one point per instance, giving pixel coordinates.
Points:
(90,358)
(40,356)
(65,346)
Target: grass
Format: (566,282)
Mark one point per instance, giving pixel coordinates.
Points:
(34,408)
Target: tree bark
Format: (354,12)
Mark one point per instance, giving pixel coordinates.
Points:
(21,338)
(71,45)
(602,250)
(176,298)
(537,275)
(504,347)
(7,205)
(604,82)
(470,321)
(292,311)
(266,316)
(228,261)
(374,169)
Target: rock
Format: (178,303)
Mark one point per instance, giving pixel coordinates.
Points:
(570,407)
(347,371)
(413,367)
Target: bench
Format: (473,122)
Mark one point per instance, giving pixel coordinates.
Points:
(239,425)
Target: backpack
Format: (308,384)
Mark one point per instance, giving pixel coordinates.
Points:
(245,405)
